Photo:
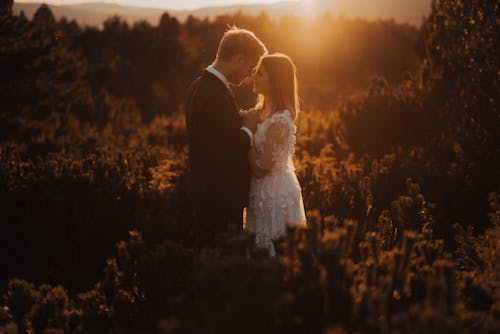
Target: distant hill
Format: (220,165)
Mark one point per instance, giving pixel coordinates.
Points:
(93,14)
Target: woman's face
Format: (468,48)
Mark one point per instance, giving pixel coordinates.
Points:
(261,82)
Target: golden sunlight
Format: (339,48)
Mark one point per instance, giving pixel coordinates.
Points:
(170,4)
(146,188)
(309,7)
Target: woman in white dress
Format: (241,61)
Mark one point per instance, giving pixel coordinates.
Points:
(275,193)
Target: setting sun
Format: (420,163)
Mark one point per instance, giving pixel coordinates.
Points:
(309,7)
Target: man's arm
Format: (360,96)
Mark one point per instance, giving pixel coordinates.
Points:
(219,130)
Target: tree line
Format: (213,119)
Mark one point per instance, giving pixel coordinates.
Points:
(397,154)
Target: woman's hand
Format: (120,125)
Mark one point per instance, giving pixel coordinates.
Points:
(251,111)
(249,119)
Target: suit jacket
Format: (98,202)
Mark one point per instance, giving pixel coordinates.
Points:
(218,148)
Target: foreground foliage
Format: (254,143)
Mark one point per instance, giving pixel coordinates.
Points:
(400,184)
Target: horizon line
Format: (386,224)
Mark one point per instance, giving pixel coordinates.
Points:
(116,3)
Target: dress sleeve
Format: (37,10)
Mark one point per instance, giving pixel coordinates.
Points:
(278,143)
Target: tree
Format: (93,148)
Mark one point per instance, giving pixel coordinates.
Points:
(40,74)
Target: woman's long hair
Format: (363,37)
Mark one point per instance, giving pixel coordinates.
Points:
(283,81)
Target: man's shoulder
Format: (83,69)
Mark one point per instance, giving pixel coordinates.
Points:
(206,86)
(206,81)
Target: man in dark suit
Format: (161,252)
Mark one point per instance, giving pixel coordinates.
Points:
(219,139)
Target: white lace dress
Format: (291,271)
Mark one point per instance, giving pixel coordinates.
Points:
(276,198)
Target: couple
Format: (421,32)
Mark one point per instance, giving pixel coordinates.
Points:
(243,159)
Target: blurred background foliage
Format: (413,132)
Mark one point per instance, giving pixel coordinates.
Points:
(397,154)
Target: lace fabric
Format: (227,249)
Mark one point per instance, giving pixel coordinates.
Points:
(276,198)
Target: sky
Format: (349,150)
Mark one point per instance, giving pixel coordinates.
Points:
(166,4)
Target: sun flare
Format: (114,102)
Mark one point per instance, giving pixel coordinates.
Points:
(309,7)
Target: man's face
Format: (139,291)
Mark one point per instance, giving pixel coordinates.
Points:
(243,68)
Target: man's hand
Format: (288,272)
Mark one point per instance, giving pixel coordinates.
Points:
(249,119)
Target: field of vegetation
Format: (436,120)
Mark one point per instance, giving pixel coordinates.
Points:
(397,154)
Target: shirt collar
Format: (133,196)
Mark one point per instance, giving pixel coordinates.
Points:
(219,75)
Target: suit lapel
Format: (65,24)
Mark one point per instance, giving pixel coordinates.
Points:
(227,91)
